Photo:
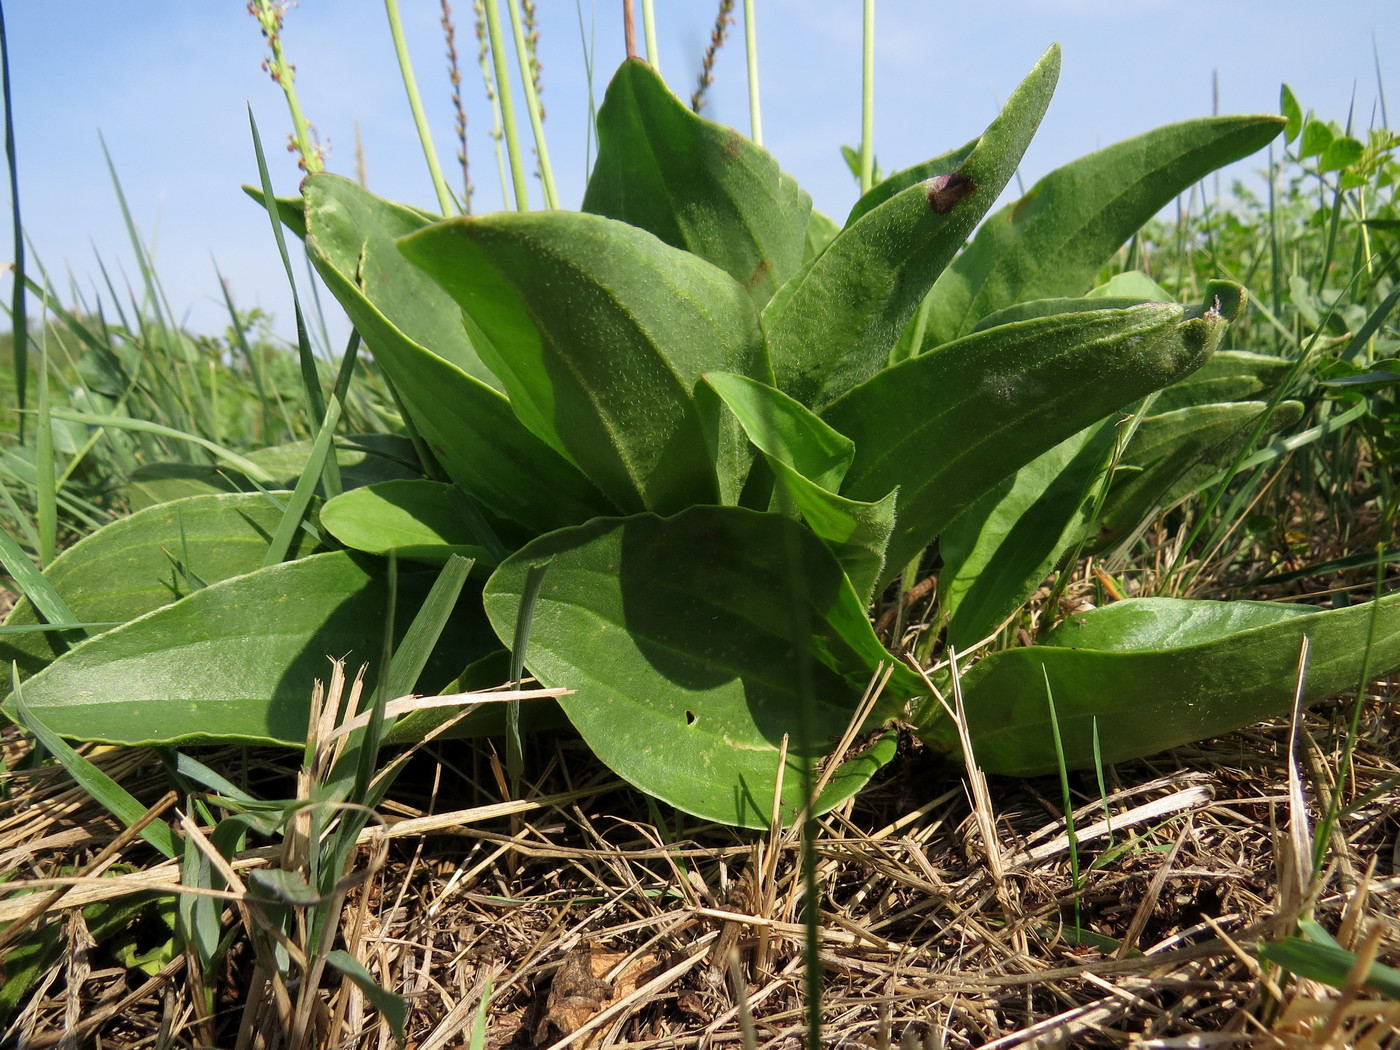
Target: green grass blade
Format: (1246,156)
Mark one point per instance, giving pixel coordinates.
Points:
(532,105)
(233,459)
(309,375)
(17,309)
(393,1007)
(305,488)
(106,791)
(45,492)
(37,589)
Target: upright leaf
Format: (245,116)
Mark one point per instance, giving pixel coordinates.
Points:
(1053,241)
(415,332)
(946,426)
(997,551)
(601,333)
(1154,673)
(697,185)
(687,641)
(834,324)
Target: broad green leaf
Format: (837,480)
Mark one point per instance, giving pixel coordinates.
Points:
(600,333)
(147,560)
(835,323)
(946,426)
(1033,308)
(415,332)
(236,660)
(1155,673)
(997,551)
(1053,241)
(414,518)
(1317,955)
(697,185)
(695,644)
(393,1006)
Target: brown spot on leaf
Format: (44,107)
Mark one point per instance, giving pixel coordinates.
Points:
(1022,204)
(947,191)
(761,273)
(733,144)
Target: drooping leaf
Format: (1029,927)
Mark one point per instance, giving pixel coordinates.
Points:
(695,644)
(1053,241)
(236,660)
(415,332)
(1155,673)
(834,324)
(786,429)
(695,184)
(946,426)
(808,460)
(997,551)
(147,560)
(600,333)
(857,532)
(415,518)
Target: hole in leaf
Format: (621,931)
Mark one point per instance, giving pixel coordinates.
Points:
(690,718)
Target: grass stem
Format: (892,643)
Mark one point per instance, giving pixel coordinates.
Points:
(446,201)
(751,53)
(867,102)
(523,59)
(508,129)
(649,32)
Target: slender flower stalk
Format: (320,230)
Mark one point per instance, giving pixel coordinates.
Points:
(524,56)
(483,58)
(751,53)
(454,74)
(723,20)
(270,15)
(446,201)
(867,108)
(498,58)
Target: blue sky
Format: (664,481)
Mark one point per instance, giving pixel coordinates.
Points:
(168,83)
